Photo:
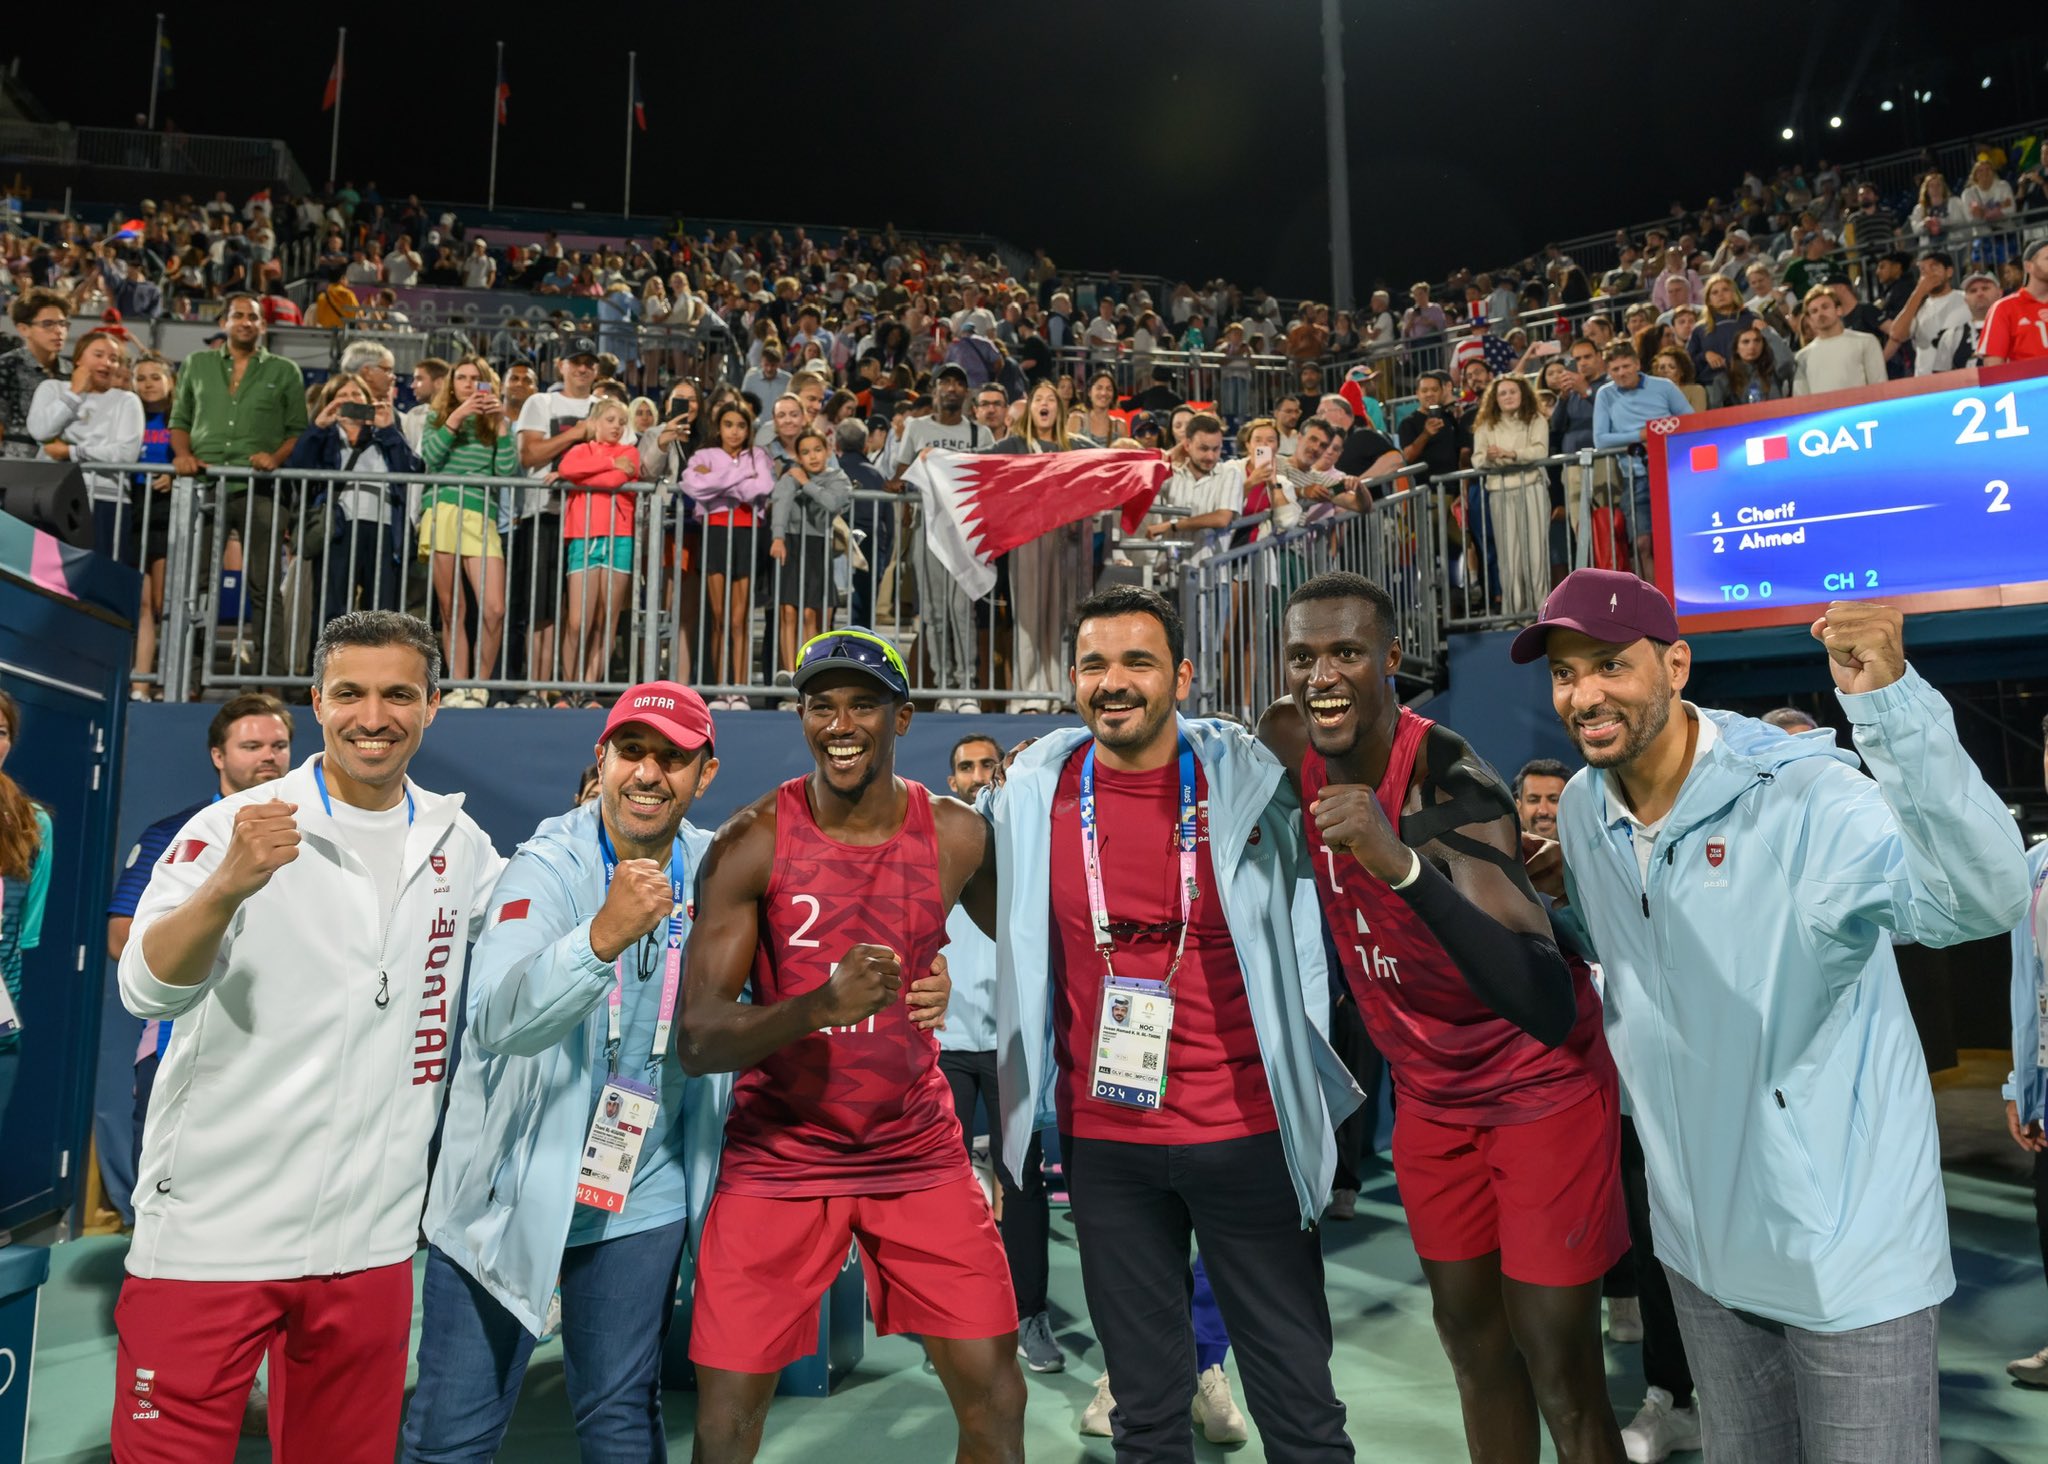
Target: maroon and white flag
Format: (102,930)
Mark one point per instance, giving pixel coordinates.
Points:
(979,506)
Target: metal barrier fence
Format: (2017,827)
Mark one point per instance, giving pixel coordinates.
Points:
(542,593)
(1233,600)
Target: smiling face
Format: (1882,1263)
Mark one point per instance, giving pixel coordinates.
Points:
(1614,700)
(1338,658)
(646,784)
(373,706)
(1126,684)
(852,723)
(255,750)
(1536,805)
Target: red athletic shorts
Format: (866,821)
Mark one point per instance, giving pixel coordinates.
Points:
(188,1351)
(1546,1195)
(934,1264)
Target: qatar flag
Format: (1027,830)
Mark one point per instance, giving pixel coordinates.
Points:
(980,506)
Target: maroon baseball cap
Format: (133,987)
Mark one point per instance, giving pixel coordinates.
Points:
(669,707)
(1610,605)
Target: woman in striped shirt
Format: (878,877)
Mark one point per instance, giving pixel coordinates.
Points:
(468,435)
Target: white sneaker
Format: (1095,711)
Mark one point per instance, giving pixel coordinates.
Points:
(2033,1371)
(967,704)
(1216,1412)
(1095,1417)
(944,704)
(1659,1429)
(1624,1319)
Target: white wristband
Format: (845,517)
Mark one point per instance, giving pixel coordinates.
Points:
(1414,869)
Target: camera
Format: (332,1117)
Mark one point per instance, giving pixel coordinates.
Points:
(358,411)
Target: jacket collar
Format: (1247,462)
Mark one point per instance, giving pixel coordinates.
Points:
(433,813)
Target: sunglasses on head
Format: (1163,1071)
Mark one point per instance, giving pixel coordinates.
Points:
(859,646)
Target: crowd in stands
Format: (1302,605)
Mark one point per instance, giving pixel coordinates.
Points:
(782,371)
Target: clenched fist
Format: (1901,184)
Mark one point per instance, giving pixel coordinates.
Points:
(866,980)
(641,897)
(1349,816)
(1866,644)
(265,839)
(929,996)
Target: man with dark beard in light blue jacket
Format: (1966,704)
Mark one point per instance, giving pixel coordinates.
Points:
(1742,887)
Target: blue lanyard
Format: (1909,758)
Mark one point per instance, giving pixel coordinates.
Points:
(672,960)
(1188,832)
(320,782)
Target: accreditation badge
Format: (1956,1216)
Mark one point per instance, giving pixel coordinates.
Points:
(1130,1043)
(625,1112)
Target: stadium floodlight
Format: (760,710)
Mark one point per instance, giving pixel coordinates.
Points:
(1985,83)
(1885,105)
(1834,121)
(1786,134)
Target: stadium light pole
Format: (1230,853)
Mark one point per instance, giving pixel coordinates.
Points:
(1340,168)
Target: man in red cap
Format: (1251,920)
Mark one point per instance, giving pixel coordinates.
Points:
(1743,887)
(576,1150)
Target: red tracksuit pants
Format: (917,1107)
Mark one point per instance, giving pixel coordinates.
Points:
(189,1351)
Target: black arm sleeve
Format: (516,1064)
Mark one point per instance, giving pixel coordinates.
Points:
(1521,977)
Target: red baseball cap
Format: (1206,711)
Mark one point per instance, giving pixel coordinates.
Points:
(669,707)
(1610,605)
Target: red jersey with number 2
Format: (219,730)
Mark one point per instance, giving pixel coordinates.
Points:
(1452,1059)
(861,1110)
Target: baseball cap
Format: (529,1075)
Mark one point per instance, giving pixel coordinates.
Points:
(1980,274)
(950,368)
(854,648)
(2027,254)
(1610,605)
(669,707)
(581,346)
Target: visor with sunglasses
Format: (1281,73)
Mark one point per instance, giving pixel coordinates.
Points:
(855,649)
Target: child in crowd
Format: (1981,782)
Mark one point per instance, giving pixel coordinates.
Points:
(808,497)
(597,540)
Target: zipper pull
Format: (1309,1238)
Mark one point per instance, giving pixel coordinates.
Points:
(1670,855)
(1779,1094)
(383,991)
(1646,904)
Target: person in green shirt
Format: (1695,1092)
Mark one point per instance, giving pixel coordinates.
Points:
(468,434)
(241,406)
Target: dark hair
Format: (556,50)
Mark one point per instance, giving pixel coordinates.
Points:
(1130,600)
(1338,584)
(378,628)
(1441,377)
(1541,767)
(954,756)
(20,839)
(1204,422)
(33,302)
(248,704)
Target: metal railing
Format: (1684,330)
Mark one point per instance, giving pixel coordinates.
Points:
(253,159)
(1233,601)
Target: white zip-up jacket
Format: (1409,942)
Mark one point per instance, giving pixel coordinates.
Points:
(287,1135)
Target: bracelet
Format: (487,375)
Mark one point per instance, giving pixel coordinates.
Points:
(1414,870)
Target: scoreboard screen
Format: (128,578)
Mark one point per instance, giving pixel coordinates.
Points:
(1929,499)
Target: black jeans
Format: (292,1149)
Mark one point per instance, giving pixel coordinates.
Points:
(1027,1221)
(1135,1208)
(359,563)
(1664,1362)
(1355,1049)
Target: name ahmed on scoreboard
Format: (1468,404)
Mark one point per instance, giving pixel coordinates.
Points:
(1924,497)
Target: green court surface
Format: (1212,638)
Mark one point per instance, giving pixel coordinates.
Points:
(1389,1369)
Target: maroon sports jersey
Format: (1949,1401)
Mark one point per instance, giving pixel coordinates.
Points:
(1452,1059)
(860,1110)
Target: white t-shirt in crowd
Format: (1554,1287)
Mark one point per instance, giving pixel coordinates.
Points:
(401,268)
(478,270)
(919,433)
(1836,363)
(1941,327)
(549,413)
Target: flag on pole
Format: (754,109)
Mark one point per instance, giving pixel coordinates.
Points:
(979,506)
(504,92)
(639,107)
(163,61)
(333,92)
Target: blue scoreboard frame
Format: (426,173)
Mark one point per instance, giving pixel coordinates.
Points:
(1929,493)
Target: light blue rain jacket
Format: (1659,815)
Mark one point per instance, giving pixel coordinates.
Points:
(504,1191)
(1262,869)
(1754,1008)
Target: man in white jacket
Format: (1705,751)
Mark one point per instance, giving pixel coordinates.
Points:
(308,935)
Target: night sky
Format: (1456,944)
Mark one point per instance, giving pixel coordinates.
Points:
(1183,139)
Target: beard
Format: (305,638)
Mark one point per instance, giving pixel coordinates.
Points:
(1141,730)
(1642,726)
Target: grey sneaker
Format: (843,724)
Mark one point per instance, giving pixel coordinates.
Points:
(1343,1205)
(1036,1346)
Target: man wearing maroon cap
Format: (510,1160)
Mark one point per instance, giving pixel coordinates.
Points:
(575,1147)
(1742,888)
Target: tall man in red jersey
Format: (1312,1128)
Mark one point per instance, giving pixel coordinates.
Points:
(1507,1140)
(2017,327)
(823,894)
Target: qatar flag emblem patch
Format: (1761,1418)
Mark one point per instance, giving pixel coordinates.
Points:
(1717,850)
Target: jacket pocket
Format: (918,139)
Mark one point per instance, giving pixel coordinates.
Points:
(1788,1118)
